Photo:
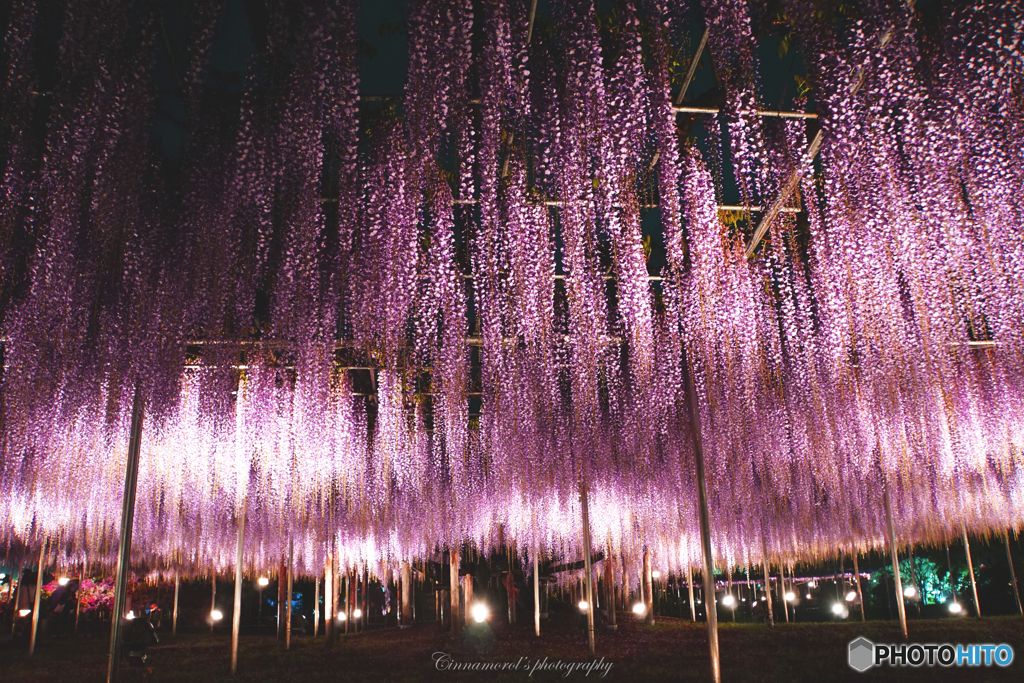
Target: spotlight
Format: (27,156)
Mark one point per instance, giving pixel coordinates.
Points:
(656,574)
(839,610)
(356,613)
(790,596)
(63,581)
(583,606)
(808,596)
(342,616)
(24,612)
(480,613)
(851,596)
(753,603)
(130,615)
(216,615)
(728,600)
(263,582)
(639,609)
(909,592)
(956,607)
(812,584)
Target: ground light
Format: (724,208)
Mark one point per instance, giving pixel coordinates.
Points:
(909,592)
(24,612)
(790,596)
(728,600)
(851,596)
(956,607)
(130,615)
(216,615)
(479,612)
(342,616)
(63,581)
(839,610)
(356,613)
(639,609)
(583,606)
(263,582)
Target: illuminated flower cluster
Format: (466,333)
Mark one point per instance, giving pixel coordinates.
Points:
(387,330)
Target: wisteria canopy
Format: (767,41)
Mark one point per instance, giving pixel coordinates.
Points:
(391,328)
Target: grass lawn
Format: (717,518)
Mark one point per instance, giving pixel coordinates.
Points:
(671,650)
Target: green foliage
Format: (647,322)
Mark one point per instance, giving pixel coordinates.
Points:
(803,87)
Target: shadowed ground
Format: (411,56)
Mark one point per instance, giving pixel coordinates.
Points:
(671,650)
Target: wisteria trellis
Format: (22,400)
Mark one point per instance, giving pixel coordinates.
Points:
(876,346)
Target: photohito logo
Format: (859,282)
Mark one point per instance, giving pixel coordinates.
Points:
(863,654)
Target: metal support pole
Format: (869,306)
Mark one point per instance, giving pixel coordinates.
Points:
(36,601)
(174,612)
(536,592)
(705,523)
(586,565)
(970,568)
(236,614)
(895,563)
(860,593)
(1013,574)
(125,546)
(288,606)
(689,589)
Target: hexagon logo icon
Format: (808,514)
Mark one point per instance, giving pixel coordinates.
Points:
(862,654)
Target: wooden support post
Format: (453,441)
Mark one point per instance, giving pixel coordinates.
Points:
(689,589)
(37,601)
(792,587)
(236,613)
(705,522)
(860,593)
(282,582)
(1013,574)
(536,592)
(316,606)
(768,585)
(783,591)
(288,606)
(330,597)
(125,546)
(453,576)
(174,611)
(510,593)
(648,588)
(467,594)
(78,598)
(406,594)
(587,566)
(609,588)
(17,598)
(361,622)
(895,563)
(213,596)
(348,603)
(970,569)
